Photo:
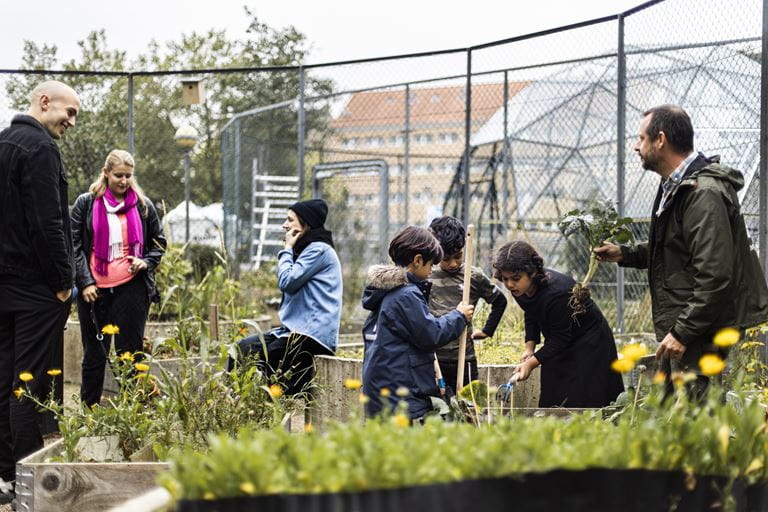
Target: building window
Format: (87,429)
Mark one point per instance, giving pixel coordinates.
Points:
(448,138)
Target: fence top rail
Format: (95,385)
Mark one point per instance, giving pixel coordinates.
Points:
(432,53)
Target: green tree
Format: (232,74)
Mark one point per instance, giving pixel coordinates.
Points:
(158,109)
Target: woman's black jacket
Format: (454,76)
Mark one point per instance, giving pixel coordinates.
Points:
(82,238)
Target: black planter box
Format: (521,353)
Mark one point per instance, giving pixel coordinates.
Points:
(587,490)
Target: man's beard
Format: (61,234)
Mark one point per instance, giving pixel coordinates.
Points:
(649,162)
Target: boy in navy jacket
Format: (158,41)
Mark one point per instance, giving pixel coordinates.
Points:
(400,334)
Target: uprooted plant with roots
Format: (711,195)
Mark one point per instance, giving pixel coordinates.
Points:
(599,223)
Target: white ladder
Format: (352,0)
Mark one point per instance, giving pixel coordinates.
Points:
(271,197)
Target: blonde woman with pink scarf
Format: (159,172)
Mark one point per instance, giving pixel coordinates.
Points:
(118,242)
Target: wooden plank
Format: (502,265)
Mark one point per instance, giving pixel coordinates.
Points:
(213,319)
(84,487)
(559,412)
(91,487)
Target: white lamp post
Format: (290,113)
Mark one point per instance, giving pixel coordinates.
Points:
(186,138)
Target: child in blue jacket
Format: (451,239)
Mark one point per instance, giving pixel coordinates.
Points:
(400,334)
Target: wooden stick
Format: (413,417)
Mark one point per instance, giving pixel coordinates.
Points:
(213,322)
(469,254)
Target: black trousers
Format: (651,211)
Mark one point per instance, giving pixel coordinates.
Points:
(32,323)
(125,306)
(449,367)
(287,360)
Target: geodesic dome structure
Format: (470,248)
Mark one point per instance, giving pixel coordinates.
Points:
(562,130)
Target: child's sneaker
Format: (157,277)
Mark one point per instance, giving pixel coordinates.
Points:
(7,493)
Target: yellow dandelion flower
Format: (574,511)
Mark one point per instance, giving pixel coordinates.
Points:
(362,398)
(634,351)
(53,372)
(711,364)
(142,367)
(26,377)
(248,488)
(308,428)
(659,377)
(402,391)
(726,337)
(275,391)
(622,365)
(401,420)
(127,356)
(353,383)
(385,392)
(110,329)
(209,496)
(19,392)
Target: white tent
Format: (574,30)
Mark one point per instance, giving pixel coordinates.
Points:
(204,224)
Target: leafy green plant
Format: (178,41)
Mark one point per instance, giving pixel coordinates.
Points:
(171,406)
(127,415)
(707,437)
(598,224)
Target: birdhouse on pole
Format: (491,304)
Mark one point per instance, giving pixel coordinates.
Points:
(193,91)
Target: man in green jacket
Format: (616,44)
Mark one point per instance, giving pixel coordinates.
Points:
(704,274)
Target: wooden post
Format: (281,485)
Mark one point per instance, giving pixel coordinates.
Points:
(469,253)
(213,322)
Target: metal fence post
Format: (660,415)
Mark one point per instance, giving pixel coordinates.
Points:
(467,135)
(406,158)
(131,148)
(505,158)
(300,157)
(384,206)
(236,209)
(763,169)
(762,230)
(621,105)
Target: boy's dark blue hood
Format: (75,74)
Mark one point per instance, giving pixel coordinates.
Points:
(380,281)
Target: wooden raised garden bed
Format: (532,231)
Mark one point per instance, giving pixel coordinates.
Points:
(45,486)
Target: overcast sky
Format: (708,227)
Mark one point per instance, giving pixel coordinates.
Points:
(337,29)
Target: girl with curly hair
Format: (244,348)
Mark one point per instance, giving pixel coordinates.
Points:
(576,355)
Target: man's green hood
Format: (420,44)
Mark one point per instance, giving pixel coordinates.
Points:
(721,172)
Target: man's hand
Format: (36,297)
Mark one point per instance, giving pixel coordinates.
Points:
(64,295)
(670,347)
(479,335)
(90,293)
(291,237)
(609,252)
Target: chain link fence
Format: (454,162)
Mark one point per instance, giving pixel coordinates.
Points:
(508,135)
